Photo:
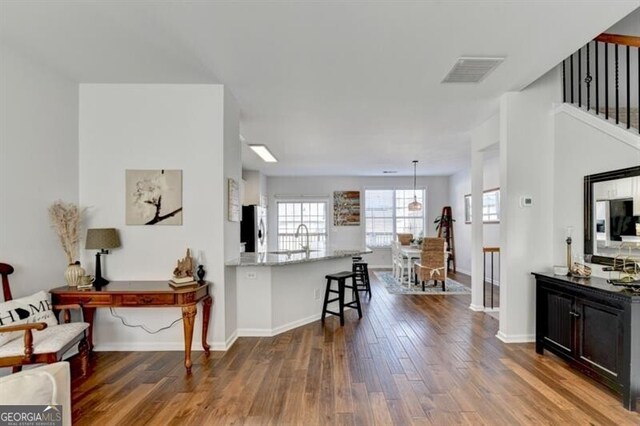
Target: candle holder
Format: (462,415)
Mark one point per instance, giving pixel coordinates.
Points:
(569,241)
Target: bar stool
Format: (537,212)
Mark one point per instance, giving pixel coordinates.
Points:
(341,278)
(361,269)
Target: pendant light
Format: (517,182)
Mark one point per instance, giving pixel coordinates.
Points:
(414,206)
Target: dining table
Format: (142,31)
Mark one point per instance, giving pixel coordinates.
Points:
(409,255)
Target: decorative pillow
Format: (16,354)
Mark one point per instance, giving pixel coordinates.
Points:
(34,308)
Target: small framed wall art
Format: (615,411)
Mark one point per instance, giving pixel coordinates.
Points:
(153,197)
(233,193)
(346,208)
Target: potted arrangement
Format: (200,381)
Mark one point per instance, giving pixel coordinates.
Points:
(65,219)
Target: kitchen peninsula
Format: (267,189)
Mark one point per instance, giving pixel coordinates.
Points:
(278,291)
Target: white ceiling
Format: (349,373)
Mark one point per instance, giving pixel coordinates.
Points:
(333,88)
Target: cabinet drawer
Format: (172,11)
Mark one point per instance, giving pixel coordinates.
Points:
(94,299)
(147,299)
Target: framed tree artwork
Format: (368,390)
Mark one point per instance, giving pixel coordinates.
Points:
(153,197)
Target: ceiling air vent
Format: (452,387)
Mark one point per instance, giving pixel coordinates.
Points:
(471,70)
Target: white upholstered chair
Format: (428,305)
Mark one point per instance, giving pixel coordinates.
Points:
(33,335)
(46,385)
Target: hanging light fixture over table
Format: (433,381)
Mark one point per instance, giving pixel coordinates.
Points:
(415,206)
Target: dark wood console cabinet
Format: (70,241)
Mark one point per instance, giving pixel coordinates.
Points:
(593,325)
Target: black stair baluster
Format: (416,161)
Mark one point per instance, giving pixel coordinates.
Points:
(571,78)
(580,78)
(564,81)
(628,88)
(597,65)
(617,86)
(587,80)
(606,80)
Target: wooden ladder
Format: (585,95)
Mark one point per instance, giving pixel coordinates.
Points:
(445,230)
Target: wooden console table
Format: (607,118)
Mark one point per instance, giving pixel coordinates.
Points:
(142,294)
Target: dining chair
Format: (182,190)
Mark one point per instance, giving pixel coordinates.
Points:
(433,262)
(394,254)
(405,239)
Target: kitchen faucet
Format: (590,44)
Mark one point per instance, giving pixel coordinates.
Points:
(305,247)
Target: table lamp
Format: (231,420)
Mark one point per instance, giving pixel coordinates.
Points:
(101,239)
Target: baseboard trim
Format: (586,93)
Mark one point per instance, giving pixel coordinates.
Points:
(476,308)
(492,309)
(147,346)
(495,282)
(270,332)
(162,346)
(463,271)
(516,338)
(219,346)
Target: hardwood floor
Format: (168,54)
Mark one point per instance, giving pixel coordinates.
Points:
(411,360)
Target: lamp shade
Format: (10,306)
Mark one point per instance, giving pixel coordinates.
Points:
(415,205)
(102,238)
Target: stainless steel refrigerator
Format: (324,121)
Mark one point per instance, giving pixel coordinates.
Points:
(253,229)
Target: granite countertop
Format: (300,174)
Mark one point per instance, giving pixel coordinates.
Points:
(592,282)
(282,257)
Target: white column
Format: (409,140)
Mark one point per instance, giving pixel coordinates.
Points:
(477,263)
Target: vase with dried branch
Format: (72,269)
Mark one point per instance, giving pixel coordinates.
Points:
(65,219)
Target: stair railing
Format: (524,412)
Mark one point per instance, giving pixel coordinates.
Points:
(594,58)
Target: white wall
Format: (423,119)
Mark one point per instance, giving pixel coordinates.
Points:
(233,170)
(629,25)
(580,150)
(38,165)
(353,236)
(187,127)
(526,163)
(459,186)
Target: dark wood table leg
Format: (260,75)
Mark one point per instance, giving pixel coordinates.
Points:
(188,319)
(87,315)
(206,314)
(83,349)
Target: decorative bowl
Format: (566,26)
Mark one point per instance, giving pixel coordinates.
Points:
(560,270)
(580,270)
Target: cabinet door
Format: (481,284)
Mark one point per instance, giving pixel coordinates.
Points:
(600,331)
(558,329)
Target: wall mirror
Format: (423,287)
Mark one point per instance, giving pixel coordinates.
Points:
(612,215)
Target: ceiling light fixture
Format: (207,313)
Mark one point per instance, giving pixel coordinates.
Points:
(264,153)
(414,206)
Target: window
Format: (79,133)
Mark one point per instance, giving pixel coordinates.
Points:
(490,206)
(386,215)
(292,214)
